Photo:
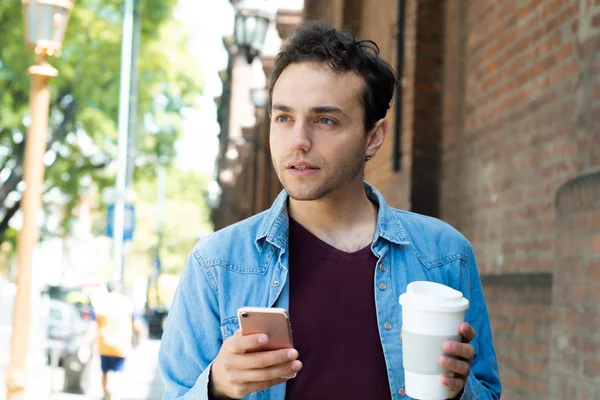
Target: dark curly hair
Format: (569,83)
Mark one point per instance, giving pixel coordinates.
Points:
(317,41)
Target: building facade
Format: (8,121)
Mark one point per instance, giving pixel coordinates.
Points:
(495,130)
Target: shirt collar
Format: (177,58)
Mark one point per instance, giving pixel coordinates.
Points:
(275,225)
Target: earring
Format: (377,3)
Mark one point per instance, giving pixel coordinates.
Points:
(368,158)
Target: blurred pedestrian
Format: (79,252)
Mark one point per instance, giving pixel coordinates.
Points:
(113,323)
(330,250)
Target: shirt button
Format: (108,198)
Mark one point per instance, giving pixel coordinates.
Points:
(387,326)
(382,267)
(402,392)
(275,283)
(382,286)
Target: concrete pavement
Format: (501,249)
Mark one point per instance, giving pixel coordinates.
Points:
(139,381)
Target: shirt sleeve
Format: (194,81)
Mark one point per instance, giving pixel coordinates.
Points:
(484,380)
(192,336)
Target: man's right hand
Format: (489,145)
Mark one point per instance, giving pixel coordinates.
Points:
(238,371)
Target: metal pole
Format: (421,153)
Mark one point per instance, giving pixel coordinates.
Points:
(160,212)
(121,183)
(160,200)
(133,97)
(35,147)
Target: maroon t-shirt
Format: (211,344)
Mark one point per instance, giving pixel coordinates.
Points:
(334,321)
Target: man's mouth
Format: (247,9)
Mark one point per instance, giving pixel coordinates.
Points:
(302,165)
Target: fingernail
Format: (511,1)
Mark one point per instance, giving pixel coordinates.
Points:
(444,360)
(448,346)
(262,339)
(292,354)
(296,366)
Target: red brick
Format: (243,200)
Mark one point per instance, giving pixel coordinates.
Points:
(550,8)
(525,329)
(591,367)
(536,368)
(594,270)
(595,294)
(590,345)
(596,21)
(538,350)
(578,270)
(591,320)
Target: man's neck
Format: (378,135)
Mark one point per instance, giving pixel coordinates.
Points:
(346,219)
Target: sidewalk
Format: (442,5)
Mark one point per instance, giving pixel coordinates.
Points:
(139,381)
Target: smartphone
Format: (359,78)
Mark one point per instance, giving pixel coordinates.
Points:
(274,322)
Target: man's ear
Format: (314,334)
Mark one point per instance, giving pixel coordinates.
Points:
(375,138)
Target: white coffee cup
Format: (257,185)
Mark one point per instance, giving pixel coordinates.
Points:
(431,315)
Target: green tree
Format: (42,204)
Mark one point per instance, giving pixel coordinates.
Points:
(84,106)
(186,219)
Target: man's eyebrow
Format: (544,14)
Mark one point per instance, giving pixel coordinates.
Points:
(282,107)
(327,110)
(312,110)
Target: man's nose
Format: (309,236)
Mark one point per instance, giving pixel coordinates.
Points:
(300,139)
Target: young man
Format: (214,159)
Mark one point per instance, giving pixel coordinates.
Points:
(329,250)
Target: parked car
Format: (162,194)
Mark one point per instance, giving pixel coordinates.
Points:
(74,295)
(65,325)
(66,330)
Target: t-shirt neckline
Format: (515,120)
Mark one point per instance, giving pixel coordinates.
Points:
(300,232)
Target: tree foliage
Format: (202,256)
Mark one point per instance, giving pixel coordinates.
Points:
(186,219)
(82,139)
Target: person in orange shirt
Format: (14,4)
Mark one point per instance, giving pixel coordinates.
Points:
(114,325)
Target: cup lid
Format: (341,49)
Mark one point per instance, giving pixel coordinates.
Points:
(431,296)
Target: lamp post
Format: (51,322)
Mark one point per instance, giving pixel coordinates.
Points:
(252,20)
(45,24)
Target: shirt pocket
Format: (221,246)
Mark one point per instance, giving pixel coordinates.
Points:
(229,326)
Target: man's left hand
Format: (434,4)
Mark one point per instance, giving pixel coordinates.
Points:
(458,360)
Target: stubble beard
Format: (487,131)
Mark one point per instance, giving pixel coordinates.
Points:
(309,190)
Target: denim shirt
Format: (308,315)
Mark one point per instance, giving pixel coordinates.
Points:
(246,264)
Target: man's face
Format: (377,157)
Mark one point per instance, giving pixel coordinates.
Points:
(317,134)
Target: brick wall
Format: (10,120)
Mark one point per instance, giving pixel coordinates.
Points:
(521,316)
(521,114)
(575,364)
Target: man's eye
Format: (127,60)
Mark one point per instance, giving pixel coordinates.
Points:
(326,121)
(282,118)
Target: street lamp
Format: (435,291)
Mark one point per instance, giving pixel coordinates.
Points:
(45,24)
(252,21)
